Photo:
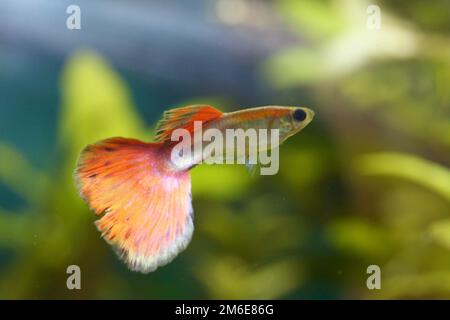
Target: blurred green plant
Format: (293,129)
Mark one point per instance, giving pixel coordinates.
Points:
(383,96)
(411,167)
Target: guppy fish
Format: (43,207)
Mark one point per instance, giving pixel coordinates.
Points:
(144,197)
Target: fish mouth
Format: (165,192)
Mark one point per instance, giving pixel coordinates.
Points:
(310,114)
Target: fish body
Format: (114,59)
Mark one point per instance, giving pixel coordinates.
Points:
(143,197)
(257,119)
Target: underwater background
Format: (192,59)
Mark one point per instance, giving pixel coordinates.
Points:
(366,183)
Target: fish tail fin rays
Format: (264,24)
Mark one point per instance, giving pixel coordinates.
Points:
(144,207)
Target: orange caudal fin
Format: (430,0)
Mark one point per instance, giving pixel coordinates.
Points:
(184,117)
(145,207)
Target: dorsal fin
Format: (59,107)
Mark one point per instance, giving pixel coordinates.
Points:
(184,117)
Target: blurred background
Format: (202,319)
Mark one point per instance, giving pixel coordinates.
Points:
(367,182)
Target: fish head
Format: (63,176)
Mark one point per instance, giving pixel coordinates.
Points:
(293,120)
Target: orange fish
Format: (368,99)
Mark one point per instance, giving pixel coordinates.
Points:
(144,198)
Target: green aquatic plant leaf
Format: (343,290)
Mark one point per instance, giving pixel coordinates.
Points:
(315,19)
(220,181)
(359,237)
(231,278)
(96,103)
(16,229)
(18,174)
(440,231)
(407,166)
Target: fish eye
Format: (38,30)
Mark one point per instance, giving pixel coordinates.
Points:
(299,115)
